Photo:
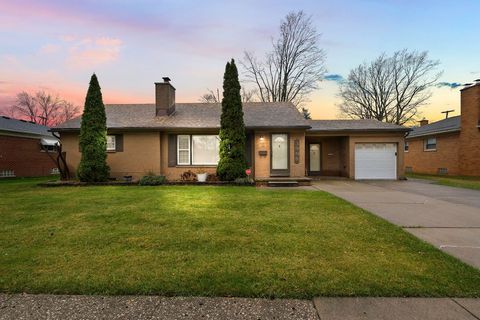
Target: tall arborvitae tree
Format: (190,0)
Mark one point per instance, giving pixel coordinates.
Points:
(232,162)
(93,137)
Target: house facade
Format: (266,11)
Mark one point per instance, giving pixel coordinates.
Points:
(168,138)
(24,149)
(450,146)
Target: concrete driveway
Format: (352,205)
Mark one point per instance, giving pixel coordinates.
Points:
(447,217)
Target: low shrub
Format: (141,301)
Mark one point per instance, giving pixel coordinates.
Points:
(212,177)
(188,176)
(152,180)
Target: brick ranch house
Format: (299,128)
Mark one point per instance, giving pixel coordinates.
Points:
(450,146)
(169,138)
(23,149)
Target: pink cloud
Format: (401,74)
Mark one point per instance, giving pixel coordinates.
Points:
(50,48)
(80,52)
(93,51)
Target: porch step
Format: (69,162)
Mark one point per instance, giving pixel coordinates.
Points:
(284,183)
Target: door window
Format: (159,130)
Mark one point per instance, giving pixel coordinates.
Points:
(279,151)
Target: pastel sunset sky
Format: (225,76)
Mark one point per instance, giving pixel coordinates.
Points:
(56,45)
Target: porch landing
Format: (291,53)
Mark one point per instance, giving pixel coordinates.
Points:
(283,181)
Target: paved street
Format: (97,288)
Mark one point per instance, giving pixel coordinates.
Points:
(447,217)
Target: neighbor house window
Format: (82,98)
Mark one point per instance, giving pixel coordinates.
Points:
(205,150)
(7,173)
(198,149)
(183,149)
(406,146)
(431,144)
(111,143)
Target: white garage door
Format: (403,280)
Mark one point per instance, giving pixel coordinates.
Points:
(375,161)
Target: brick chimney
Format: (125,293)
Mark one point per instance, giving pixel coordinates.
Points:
(423,122)
(470,105)
(164,97)
(469,151)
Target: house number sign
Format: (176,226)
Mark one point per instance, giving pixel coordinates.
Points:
(296,151)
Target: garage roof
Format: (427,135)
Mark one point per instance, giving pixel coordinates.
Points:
(451,124)
(22,126)
(353,125)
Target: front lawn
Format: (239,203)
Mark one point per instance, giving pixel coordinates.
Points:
(451,181)
(211,241)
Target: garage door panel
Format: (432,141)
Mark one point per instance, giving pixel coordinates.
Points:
(375,161)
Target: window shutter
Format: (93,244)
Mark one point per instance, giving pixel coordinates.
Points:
(119,142)
(172,150)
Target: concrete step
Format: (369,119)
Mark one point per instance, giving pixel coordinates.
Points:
(285,183)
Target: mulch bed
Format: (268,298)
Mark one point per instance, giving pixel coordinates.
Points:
(75,183)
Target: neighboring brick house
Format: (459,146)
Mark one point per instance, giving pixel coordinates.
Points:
(169,138)
(23,149)
(450,146)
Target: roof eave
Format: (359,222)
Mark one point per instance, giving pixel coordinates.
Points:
(433,133)
(303,127)
(185,128)
(360,130)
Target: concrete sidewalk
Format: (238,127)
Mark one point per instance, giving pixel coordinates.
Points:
(397,308)
(65,307)
(52,307)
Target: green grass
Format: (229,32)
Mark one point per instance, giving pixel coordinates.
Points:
(211,241)
(451,181)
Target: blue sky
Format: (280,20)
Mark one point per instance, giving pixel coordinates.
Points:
(56,45)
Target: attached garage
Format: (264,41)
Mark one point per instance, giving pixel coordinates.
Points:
(375,161)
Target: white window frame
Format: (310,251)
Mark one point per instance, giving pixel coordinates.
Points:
(406,147)
(114,148)
(425,143)
(191,147)
(188,149)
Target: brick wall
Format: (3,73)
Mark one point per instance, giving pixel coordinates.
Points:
(469,151)
(262,162)
(446,155)
(140,155)
(24,156)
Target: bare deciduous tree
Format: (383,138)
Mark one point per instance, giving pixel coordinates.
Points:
(390,89)
(294,67)
(214,96)
(43,108)
(211,96)
(68,112)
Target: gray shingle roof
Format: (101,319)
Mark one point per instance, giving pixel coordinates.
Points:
(451,124)
(25,127)
(353,125)
(207,116)
(196,116)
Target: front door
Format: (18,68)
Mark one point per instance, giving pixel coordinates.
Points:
(279,152)
(314,156)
